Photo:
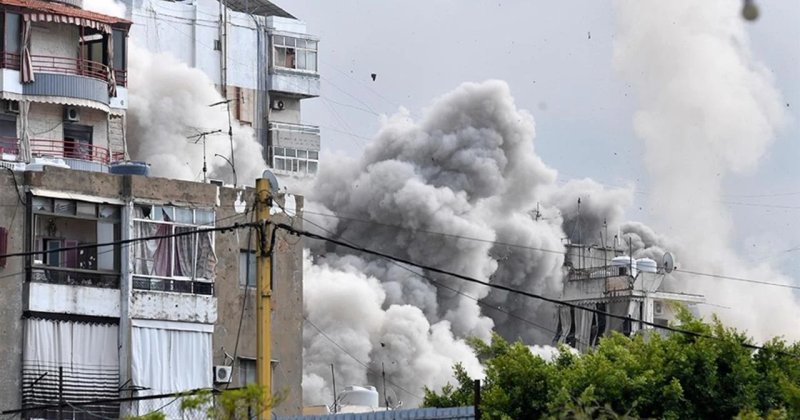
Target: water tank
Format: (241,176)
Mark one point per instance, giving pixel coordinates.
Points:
(359,395)
(130,167)
(623,264)
(647,265)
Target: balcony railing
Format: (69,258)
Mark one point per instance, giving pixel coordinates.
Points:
(70,150)
(173,285)
(74,277)
(9,145)
(65,65)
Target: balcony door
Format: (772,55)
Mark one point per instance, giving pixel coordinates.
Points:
(78,141)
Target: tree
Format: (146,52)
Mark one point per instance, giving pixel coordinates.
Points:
(709,375)
(240,403)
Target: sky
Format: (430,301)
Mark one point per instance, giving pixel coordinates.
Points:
(558,59)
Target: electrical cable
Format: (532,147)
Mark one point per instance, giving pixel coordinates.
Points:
(16,186)
(552,251)
(440,284)
(311,235)
(245,292)
(133,240)
(373,371)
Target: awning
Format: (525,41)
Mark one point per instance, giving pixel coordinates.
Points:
(43,11)
(62,100)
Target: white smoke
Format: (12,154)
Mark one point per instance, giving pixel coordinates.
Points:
(467,169)
(169,110)
(707,109)
(106,7)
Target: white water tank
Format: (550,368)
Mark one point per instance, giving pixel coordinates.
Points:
(623,265)
(366,396)
(647,265)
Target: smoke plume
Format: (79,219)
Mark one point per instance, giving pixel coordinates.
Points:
(168,114)
(463,190)
(707,109)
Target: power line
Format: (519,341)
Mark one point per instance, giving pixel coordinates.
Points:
(553,251)
(233,227)
(356,359)
(307,234)
(440,284)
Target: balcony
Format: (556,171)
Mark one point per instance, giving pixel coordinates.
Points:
(63,76)
(296,83)
(73,291)
(77,155)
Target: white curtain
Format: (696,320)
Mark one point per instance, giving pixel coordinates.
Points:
(87,355)
(169,360)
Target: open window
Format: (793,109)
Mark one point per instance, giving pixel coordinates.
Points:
(65,232)
(78,141)
(294,53)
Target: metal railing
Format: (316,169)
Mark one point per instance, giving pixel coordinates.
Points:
(64,65)
(9,145)
(74,277)
(70,150)
(173,285)
(310,129)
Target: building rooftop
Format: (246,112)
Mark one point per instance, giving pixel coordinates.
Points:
(62,10)
(257,7)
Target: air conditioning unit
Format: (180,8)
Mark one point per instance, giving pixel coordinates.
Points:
(277,104)
(72,114)
(222,374)
(11,107)
(658,308)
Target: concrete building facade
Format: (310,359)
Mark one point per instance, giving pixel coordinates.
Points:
(261,58)
(607,280)
(144,318)
(83,321)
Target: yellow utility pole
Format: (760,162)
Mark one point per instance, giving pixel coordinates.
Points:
(264,290)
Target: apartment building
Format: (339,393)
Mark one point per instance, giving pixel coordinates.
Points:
(634,290)
(260,57)
(82,321)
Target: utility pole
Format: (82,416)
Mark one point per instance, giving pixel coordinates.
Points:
(264,293)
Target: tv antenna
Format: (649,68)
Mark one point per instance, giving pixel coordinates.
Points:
(202,137)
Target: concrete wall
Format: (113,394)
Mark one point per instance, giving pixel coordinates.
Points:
(46,122)
(173,306)
(55,40)
(287,304)
(78,300)
(290,112)
(12,217)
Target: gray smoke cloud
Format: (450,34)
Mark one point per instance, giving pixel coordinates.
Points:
(707,109)
(463,190)
(169,108)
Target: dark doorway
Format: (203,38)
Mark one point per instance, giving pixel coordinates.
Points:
(78,141)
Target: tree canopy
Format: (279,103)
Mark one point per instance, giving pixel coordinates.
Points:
(648,375)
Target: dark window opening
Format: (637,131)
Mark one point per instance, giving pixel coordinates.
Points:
(78,141)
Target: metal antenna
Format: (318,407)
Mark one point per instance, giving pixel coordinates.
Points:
(198,138)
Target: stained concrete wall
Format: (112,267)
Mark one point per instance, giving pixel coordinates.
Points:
(287,303)
(12,217)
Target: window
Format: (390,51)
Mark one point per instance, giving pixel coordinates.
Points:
(78,141)
(183,263)
(247,277)
(302,162)
(294,53)
(8,133)
(59,224)
(247,371)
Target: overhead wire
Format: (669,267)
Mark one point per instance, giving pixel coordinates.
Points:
(509,289)
(373,371)
(452,289)
(545,250)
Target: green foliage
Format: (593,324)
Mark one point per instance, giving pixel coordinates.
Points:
(234,404)
(708,375)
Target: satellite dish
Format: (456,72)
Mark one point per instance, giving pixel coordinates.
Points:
(668,262)
(273,181)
